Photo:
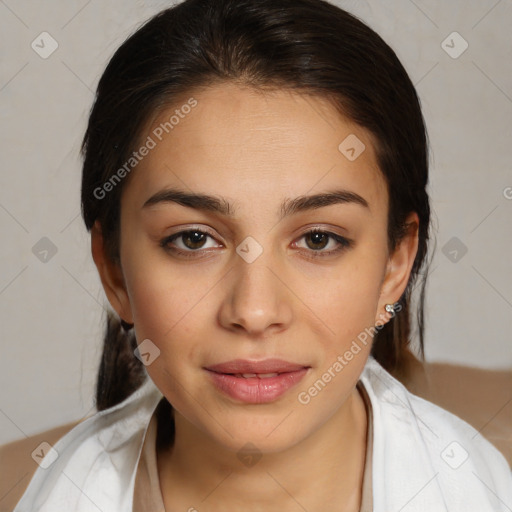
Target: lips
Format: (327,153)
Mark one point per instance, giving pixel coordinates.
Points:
(241,366)
(257,375)
(256,382)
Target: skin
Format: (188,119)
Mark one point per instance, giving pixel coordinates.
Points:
(256,150)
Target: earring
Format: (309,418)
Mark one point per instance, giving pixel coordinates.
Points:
(390,308)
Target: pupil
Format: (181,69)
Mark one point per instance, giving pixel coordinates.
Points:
(193,235)
(317,238)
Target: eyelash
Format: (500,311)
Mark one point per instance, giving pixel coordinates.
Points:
(344,243)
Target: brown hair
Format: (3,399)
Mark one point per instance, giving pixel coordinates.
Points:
(309,46)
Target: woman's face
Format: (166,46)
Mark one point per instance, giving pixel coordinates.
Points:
(222,291)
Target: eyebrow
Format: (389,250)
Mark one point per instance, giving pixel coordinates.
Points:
(220,205)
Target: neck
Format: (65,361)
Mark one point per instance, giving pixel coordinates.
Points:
(322,472)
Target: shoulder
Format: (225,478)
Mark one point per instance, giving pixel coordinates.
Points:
(481,397)
(18,463)
(437,424)
(431,441)
(461,450)
(104,446)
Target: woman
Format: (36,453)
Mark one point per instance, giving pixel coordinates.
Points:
(254,182)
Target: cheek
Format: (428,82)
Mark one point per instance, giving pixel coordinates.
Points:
(165,309)
(161,294)
(347,305)
(174,309)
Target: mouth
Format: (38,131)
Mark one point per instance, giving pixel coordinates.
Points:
(255,375)
(256,382)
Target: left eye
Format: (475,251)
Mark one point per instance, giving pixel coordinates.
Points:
(317,240)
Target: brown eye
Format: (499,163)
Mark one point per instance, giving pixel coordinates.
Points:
(318,240)
(187,243)
(193,239)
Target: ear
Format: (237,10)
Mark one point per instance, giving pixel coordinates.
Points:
(111,276)
(399,267)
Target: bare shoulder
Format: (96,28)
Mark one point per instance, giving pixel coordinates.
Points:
(18,463)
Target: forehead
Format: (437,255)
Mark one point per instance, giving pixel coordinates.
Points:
(251,145)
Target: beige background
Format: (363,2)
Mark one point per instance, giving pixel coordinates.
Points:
(51,313)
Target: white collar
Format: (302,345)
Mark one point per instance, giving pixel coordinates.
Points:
(413,457)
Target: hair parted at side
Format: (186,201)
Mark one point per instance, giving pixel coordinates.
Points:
(309,46)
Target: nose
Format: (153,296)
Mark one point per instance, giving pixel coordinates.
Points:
(257,300)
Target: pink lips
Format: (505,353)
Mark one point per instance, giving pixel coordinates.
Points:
(256,382)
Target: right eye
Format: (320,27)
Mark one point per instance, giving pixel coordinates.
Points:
(191,241)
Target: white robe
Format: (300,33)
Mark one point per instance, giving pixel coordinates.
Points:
(425,459)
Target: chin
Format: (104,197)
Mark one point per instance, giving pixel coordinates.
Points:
(261,433)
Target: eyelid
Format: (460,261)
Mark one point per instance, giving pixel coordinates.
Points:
(343,242)
(200,229)
(324,229)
